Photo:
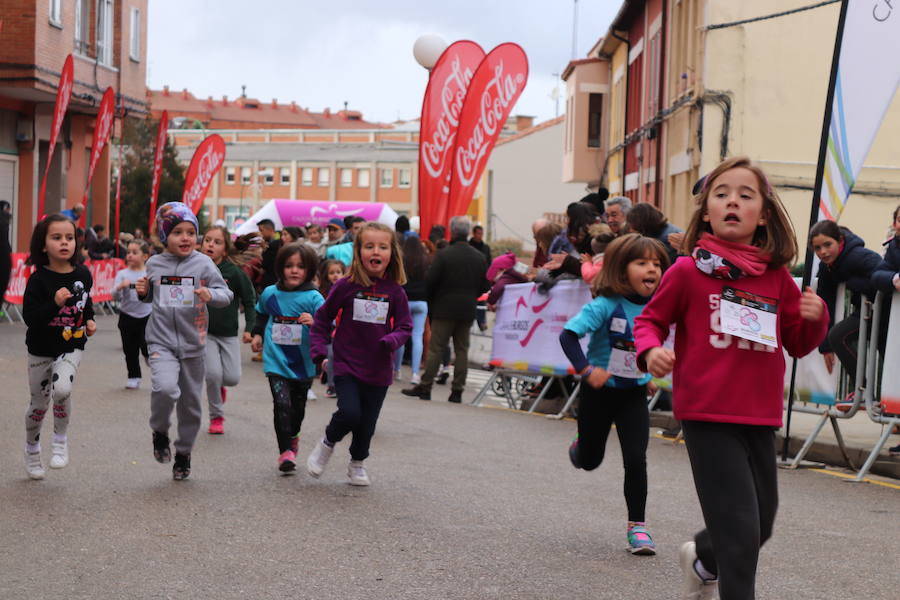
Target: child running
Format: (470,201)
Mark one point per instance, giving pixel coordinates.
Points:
(133,314)
(330,270)
(59,314)
(283,316)
(223,348)
(734,306)
(179,283)
(375,321)
(616,391)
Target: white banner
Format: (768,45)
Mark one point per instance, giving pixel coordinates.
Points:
(867,78)
(528,324)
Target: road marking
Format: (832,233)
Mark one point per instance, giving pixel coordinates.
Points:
(893,486)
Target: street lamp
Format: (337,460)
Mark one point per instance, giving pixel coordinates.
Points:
(428,49)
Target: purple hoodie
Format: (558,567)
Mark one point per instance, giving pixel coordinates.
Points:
(374,322)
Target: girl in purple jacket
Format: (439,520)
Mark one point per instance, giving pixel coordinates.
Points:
(374,322)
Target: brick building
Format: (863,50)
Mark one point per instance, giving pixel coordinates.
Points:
(108,41)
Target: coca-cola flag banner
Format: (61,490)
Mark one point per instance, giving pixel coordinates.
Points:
(441,109)
(102,271)
(497,84)
(102,129)
(207,160)
(63,95)
(157,166)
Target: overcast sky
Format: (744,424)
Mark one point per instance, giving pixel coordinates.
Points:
(321,54)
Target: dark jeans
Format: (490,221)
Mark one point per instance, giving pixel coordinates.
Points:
(133,342)
(627,408)
(441,332)
(358,407)
(288,407)
(736,480)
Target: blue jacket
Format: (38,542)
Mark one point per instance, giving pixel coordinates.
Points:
(883,276)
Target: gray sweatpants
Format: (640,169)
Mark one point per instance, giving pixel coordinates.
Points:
(50,379)
(223,368)
(177,383)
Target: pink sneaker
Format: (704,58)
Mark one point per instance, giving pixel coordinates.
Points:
(287,462)
(217,426)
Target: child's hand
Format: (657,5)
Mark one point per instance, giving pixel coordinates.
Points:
(61,296)
(305,319)
(141,286)
(597,378)
(203,294)
(829,361)
(90,327)
(660,361)
(587,258)
(256,343)
(897,282)
(811,305)
(246,338)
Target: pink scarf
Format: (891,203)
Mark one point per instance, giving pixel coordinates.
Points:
(727,260)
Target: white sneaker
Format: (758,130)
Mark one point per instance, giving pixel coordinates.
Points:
(133,383)
(60,455)
(318,458)
(33,465)
(310,395)
(693,587)
(396,375)
(415,379)
(356,471)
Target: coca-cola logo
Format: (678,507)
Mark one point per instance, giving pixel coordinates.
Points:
(495,104)
(103,127)
(452,94)
(157,159)
(207,165)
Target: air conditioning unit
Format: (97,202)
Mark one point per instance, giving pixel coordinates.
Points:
(24,129)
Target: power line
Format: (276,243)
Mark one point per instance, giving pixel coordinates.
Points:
(772,16)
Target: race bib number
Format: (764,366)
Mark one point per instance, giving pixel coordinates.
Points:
(623,361)
(287,331)
(176,291)
(371,308)
(749,316)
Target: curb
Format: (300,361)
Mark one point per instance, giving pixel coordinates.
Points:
(823,452)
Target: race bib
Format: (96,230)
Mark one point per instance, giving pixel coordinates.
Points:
(176,291)
(749,316)
(371,308)
(287,331)
(623,361)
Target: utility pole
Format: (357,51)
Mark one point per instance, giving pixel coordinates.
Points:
(575,30)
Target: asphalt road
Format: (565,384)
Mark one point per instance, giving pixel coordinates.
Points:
(465,503)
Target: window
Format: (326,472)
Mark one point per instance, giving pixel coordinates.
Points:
(324,176)
(346,177)
(285,176)
(306,176)
(229,174)
(595,107)
(56,13)
(245,175)
(105,31)
(82,26)
(268,175)
(135,52)
(403,178)
(387,178)
(362,178)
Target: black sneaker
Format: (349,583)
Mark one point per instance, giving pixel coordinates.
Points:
(573,453)
(418,391)
(443,377)
(455,397)
(161,451)
(182,468)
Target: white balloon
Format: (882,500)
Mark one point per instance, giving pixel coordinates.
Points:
(428,49)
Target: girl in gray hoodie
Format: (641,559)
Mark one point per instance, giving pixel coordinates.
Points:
(179,283)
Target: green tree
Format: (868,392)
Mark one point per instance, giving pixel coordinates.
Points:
(139,136)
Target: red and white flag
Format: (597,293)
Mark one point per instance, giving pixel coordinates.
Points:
(441,110)
(157,166)
(207,160)
(63,95)
(497,84)
(102,129)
